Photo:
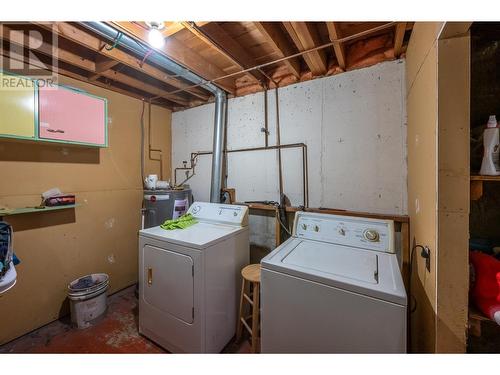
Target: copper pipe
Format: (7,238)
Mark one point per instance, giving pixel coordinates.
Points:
(150,148)
(305,173)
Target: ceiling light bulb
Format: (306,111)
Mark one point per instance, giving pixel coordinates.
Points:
(156,38)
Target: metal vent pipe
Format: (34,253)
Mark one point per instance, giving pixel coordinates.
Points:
(157,58)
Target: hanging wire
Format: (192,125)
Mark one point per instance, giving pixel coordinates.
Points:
(115,42)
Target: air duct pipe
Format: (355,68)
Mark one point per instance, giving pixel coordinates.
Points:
(141,49)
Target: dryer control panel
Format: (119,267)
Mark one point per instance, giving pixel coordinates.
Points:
(220,213)
(360,232)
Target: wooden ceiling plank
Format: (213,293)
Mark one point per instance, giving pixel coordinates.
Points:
(217,38)
(184,56)
(279,43)
(339,49)
(398,38)
(74,34)
(305,37)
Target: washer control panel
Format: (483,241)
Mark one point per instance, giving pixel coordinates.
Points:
(220,213)
(360,232)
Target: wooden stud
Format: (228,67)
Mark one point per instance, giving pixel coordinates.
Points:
(189,58)
(338,48)
(76,35)
(398,38)
(217,38)
(276,38)
(305,36)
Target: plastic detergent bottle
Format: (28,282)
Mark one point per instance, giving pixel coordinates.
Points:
(490,165)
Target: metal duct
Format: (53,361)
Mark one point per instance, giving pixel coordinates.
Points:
(157,58)
(218,152)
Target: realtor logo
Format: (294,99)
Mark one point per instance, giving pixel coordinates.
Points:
(28,50)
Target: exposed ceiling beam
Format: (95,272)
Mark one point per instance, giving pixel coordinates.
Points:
(76,35)
(184,56)
(34,63)
(218,39)
(305,36)
(399,36)
(276,38)
(338,48)
(101,67)
(143,86)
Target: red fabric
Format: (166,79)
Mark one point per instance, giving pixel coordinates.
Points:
(485,291)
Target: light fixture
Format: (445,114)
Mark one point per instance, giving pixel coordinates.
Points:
(155,37)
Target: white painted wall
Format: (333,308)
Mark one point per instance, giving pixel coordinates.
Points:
(354,125)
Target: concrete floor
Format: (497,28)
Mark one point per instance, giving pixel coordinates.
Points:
(117,332)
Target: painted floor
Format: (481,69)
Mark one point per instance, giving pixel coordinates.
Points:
(117,332)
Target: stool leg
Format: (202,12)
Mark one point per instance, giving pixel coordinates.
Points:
(255,317)
(239,326)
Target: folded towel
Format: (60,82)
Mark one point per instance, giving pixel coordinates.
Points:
(181,223)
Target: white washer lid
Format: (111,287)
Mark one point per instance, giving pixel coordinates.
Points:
(198,236)
(340,261)
(330,264)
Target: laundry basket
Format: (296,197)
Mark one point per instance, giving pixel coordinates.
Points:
(88,299)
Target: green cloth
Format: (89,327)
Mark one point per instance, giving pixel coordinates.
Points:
(181,223)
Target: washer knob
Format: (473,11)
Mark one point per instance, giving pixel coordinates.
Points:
(304,226)
(371,235)
(341,231)
(316,228)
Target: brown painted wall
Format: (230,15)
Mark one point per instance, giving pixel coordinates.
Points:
(438,182)
(100,235)
(422,111)
(453,193)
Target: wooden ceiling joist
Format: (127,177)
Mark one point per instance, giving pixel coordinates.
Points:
(217,38)
(101,67)
(134,82)
(399,36)
(65,72)
(305,37)
(212,50)
(276,38)
(102,64)
(338,48)
(76,35)
(186,57)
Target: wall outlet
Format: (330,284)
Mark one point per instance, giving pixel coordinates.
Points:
(426,254)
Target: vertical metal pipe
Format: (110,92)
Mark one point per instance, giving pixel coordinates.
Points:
(218,148)
(278,142)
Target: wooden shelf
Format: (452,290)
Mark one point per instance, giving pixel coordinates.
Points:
(476,185)
(333,211)
(27,210)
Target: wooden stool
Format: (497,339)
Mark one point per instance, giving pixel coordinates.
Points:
(251,280)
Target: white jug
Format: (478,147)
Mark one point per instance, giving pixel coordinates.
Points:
(150,181)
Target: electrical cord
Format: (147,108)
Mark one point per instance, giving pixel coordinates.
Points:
(424,250)
(276,204)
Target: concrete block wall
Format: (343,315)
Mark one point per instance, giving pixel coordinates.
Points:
(354,125)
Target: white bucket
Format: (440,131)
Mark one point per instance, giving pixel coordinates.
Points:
(88,303)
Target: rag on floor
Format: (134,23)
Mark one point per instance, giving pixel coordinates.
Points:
(181,223)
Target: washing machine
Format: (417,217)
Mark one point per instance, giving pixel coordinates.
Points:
(334,287)
(189,279)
